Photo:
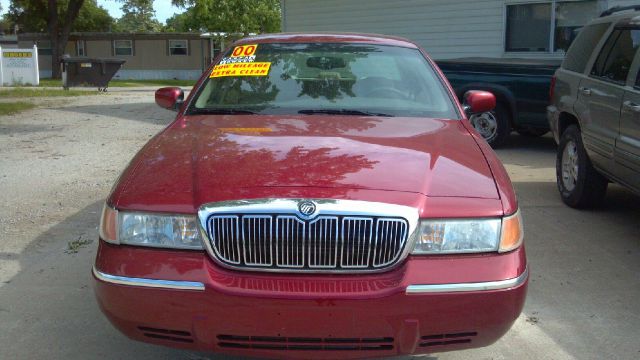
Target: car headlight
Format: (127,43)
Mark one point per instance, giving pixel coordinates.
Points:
(469,235)
(147,229)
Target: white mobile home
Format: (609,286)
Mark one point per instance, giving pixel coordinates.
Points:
(456,28)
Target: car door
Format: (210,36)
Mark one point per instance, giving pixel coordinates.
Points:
(600,97)
(627,151)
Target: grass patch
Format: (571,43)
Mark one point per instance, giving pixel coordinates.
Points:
(32,92)
(168,82)
(74,246)
(15,107)
(127,83)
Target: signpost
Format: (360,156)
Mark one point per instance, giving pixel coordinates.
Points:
(19,67)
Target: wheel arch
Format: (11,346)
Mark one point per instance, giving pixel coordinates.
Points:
(565,120)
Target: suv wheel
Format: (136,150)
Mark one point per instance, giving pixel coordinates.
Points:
(493,126)
(580,185)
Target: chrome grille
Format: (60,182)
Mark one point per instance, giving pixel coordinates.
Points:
(356,242)
(257,238)
(323,249)
(280,241)
(388,244)
(224,234)
(290,242)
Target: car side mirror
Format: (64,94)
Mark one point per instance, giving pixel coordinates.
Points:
(478,101)
(170,98)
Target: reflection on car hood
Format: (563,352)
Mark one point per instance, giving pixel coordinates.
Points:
(207,158)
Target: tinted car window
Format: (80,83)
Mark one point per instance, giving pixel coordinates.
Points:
(617,54)
(379,79)
(581,49)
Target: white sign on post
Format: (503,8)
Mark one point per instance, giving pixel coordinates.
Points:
(19,67)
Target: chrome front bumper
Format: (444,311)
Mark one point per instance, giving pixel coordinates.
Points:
(143,282)
(410,290)
(477,286)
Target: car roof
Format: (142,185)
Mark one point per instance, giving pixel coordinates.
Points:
(630,21)
(623,18)
(320,37)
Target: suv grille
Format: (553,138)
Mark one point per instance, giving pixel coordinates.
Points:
(282,241)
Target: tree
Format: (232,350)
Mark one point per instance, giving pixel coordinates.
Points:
(232,16)
(32,18)
(93,18)
(185,22)
(58,18)
(5,26)
(138,16)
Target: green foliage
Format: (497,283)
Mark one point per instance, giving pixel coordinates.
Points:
(5,25)
(74,246)
(231,16)
(11,108)
(92,18)
(138,16)
(32,16)
(185,22)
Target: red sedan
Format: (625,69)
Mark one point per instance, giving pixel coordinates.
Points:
(317,196)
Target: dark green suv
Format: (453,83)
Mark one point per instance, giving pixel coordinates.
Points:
(595,109)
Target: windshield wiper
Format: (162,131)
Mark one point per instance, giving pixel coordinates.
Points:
(342,112)
(221,111)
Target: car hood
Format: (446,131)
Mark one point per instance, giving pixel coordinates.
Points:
(201,159)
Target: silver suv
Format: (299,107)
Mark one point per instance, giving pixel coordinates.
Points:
(595,109)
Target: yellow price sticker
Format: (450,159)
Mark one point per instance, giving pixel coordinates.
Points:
(241,69)
(244,50)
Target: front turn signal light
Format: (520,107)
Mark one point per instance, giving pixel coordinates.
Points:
(109,225)
(512,233)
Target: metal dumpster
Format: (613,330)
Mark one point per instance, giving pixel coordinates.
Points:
(89,72)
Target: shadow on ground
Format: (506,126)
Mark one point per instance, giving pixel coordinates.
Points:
(48,309)
(143,111)
(544,143)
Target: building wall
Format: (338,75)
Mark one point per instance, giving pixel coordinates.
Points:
(154,54)
(444,28)
(150,60)
(96,48)
(450,28)
(8,41)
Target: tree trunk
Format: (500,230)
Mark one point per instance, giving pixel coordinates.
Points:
(53,38)
(55,57)
(58,35)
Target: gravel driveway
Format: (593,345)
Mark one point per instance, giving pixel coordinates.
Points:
(58,162)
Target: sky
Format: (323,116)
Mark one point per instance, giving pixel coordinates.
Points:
(163,8)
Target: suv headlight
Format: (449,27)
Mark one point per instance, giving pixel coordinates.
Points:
(469,235)
(148,229)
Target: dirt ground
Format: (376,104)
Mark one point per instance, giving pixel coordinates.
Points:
(58,162)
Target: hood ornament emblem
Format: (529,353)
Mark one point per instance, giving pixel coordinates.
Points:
(307,207)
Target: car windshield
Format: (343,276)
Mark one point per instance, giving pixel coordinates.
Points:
(324,78)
